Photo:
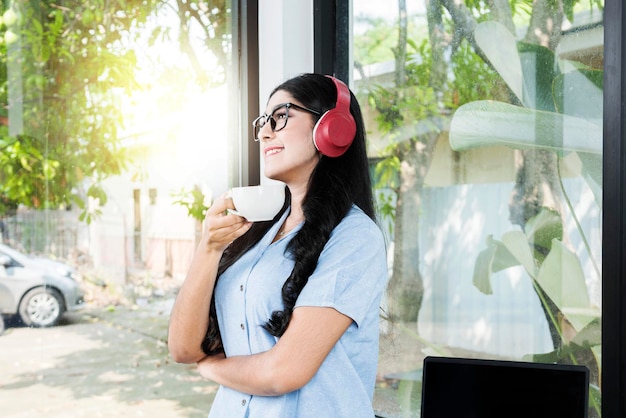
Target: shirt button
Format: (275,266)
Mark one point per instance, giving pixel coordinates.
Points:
(241,288)
(242,326)
(243,402)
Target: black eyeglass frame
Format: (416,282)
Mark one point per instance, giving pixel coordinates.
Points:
(270,118)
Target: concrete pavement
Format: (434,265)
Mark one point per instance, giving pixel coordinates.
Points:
(99,363)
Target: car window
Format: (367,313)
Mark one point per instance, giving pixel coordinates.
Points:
(8,261)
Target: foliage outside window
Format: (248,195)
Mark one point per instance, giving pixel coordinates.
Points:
(67,69)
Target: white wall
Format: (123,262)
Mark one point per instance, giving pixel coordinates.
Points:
(285,42)
(285,45)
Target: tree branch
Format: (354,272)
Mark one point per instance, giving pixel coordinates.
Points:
(185,46)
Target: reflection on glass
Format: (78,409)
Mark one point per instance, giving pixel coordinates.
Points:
(485,126)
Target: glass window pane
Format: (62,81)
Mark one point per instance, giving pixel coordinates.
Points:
(115,122)
(485,130)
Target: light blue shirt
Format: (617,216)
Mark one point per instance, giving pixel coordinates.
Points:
(350,277)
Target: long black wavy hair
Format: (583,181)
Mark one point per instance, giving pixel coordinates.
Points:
(334,186)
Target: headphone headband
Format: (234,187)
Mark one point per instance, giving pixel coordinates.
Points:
(343,95)
(335,130)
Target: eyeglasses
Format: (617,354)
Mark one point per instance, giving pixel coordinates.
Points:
(278,118)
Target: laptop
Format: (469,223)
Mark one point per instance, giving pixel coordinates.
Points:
(474,388)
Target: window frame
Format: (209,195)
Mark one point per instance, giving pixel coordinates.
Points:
(245,169)
(332,22)
(614,214)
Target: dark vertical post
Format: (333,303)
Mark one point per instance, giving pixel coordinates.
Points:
(323,36)
(331,38)
(614,215)
(342,41)
(251,50)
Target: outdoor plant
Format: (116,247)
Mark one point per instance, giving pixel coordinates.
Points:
(194,201)
(67,70)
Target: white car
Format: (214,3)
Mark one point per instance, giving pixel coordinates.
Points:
(39,290)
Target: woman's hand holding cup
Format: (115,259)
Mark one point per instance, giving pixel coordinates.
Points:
(220,227)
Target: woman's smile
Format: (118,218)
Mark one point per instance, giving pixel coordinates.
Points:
(271,150)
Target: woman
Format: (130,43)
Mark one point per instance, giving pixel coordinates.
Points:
(284,314)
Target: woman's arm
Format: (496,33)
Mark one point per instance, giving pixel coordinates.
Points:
(290,364)
(190,313)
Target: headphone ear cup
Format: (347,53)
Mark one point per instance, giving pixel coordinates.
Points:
(333,133)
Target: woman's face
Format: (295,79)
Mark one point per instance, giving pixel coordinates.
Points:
(289,154)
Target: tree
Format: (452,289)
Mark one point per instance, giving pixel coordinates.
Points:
(412,113)
(65,66)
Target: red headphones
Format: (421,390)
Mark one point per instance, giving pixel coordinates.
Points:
(334,131)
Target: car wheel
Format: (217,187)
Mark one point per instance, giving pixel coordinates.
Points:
(41,307)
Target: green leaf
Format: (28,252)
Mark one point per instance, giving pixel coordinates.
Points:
(482,270)
(500,47)
(562,279)
(488,123)
(36,26)
(87,17)
(539,70)
(96,192)
(494,258)
(592,173)
(579,93)
(528,69)
(541,229)
(78,201)
(591,334)
(568,9)
(387,172)
(517,244)
(561,355)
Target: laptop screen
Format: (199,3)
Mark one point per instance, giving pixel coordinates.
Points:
(472,388)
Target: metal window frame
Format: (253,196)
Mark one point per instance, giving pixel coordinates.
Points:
(246,170)
(614,214)
(331,38)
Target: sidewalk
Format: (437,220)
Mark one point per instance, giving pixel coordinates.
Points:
(113,362)
(99,363)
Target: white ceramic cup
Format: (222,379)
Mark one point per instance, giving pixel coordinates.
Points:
(258,203)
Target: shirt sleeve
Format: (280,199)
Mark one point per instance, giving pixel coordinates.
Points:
(351,271)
